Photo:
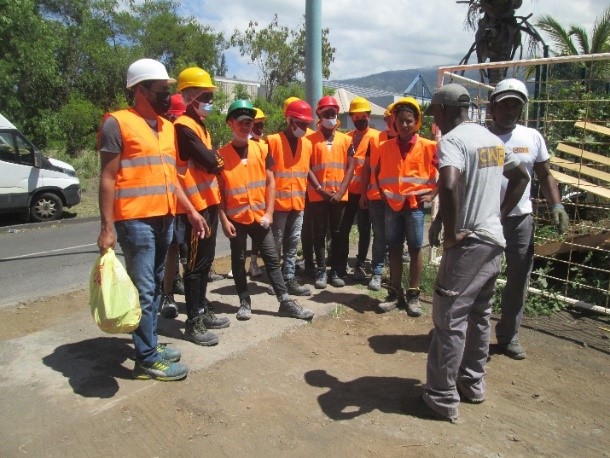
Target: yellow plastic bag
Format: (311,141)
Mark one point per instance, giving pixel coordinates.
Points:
(113,298)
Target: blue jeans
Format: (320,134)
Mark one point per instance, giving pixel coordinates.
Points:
(380,247)
(144,243)
(286,229)
(403,224)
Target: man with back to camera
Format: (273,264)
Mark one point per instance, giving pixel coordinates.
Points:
(506,105)
(471,162)
(137,197)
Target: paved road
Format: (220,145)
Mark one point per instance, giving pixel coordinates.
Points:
(40,260)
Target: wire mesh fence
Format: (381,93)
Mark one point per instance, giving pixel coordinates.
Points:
(569,105)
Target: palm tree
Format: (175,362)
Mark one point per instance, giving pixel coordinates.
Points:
(575,40)
(498,33)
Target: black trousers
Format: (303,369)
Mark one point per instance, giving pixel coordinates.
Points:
(263,238)
(364,233)
(196,276)
(327,217)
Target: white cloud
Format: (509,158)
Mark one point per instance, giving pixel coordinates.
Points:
(372,37)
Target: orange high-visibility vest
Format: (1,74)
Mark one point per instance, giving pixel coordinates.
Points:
(146,181)
(403,179)
(370,136)
(290,171)
(328,164)
(246,184)
(262,143)
(383,136)
(199,186)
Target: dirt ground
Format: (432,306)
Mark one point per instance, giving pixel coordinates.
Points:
(347,384)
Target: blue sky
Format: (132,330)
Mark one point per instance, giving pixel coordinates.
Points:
(372,37)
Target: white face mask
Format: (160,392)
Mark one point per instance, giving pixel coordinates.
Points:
(329,123)
(239,139)
(298,132)
(204,109)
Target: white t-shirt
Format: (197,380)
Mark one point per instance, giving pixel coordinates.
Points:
(482,158)
(529,146)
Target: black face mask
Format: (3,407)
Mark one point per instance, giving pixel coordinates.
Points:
(361,124)
(162,103)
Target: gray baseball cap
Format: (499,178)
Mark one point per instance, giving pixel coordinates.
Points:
(452,94)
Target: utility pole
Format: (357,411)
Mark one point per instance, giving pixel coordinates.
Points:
(313,51)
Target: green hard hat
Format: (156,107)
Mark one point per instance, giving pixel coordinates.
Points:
(239,108)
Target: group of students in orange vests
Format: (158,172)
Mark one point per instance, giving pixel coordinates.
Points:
(273,190)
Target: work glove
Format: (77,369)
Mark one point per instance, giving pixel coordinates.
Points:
(434,233)
(560,218)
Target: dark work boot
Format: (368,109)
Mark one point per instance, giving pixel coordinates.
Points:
(245,310)
(178,285)
(210,319)
(296,289)
(289,308)
(196,332)
(413,304)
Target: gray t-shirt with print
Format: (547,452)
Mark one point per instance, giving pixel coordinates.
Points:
(481,158)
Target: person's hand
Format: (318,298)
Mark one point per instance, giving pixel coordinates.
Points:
(106,239)
(199,224)
(424,198)
(434,233)
(335,198)
(324,194)
(229,230)
(560,218)
(454,239)
(267,220)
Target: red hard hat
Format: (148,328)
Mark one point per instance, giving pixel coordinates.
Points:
(176,105)
(299,109)
(327,101)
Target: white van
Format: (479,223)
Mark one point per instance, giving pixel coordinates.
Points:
(31,183)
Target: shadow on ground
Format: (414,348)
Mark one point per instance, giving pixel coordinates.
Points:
(93,366)
(348,400)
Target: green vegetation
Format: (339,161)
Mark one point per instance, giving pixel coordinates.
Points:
(63,62)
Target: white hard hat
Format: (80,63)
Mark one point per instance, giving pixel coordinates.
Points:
(510,87)
(146,69)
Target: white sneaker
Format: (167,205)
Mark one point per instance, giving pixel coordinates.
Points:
(230,274)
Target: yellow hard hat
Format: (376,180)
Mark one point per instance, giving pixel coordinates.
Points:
(260,116)
(287,102)
(195,77)
(408,101)
(359,105)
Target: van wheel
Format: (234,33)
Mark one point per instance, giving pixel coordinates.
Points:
(46,207)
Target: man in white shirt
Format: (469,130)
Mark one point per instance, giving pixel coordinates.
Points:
(506,104)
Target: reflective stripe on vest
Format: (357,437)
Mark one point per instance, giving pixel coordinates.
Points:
(200,186)
(370,137)
(290,171)
(328,164)
(245,184)
(146,180)
(402,179)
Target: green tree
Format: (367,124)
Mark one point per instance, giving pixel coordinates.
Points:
(576,40)
(279,52)
(31,86)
